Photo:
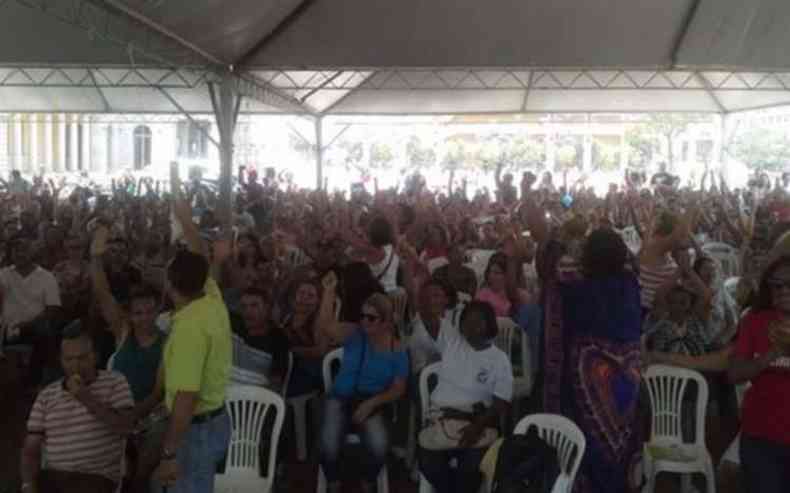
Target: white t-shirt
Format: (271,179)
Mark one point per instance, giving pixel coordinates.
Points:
(424,349)
(387,278)
(25,298)
(467,376)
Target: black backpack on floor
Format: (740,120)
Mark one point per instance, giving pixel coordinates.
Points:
(526,464)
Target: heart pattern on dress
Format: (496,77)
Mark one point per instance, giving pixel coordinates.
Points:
(610,386)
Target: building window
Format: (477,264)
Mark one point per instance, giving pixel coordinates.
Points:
(193,139)
(142,147)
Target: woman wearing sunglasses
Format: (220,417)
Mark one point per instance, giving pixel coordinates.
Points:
(373,373)
(762,357)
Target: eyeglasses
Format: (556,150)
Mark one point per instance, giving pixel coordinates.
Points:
(370,317)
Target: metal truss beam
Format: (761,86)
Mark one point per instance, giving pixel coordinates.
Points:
(532,78)
(142,38)
(104,77)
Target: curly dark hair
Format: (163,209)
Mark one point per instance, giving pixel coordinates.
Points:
(604,254)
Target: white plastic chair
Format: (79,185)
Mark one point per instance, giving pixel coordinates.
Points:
(731,286)
(726,256)
(506,337)
(478,262)
(631,238)
(248,406)
(666,450)
(566,438)
(429,371)
(399,300)
(336,357)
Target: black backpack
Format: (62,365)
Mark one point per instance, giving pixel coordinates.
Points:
(526,464)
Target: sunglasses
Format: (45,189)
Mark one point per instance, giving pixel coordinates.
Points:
(370,317)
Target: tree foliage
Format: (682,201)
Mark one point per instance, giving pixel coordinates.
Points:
(644,138)
(763,148)
(380,156)
(419,155)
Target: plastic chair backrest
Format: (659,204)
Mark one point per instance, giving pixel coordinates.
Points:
(631,239)
(566,438)
(666,386)
(429,371)
(505,334)
(436,263)
(731,286)
(248,408)
(111,361)
(399,300)
(288,374)
(330,359)
(726,256)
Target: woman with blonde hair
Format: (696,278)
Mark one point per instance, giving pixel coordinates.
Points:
(373,373)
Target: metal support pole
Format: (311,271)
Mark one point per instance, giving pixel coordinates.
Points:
(224,109)
(319,153)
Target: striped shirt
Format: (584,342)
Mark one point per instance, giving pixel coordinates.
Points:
(652,277)
(74,439)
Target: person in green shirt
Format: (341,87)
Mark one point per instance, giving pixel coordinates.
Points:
(197,362)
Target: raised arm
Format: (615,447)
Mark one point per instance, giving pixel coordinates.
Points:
(183,213)
(327,326)
(110,309)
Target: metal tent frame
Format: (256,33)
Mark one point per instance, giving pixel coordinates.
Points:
(159,70)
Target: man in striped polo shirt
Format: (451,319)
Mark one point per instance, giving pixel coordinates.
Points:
(79,423)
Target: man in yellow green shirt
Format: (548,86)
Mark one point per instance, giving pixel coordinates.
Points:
(197,361)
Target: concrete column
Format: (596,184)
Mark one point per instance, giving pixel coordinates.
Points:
(587,152)
(19,149)
(61,158)
(551,154)
(34,125)
(87,130)
(692,157)
(319,152)
(47,124)
(74,151)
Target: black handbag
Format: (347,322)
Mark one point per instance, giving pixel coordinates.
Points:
(525,464)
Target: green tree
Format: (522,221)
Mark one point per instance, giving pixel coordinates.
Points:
(380,156)
(605,156)
(641,146)
(419,155)
(663,127)
(763,148)
(348,154)
(459,152)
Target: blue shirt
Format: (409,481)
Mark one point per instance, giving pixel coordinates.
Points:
(365,371)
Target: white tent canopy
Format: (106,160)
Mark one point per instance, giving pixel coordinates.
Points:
(349,57)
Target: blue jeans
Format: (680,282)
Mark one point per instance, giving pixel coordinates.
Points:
(464,478)
(373,433)
(203,449)
(765,465)
(530,319)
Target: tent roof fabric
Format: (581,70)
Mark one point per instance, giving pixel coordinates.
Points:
(366,57)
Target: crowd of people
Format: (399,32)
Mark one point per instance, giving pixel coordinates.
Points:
(150,286)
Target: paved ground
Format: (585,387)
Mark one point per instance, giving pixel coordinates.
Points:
(14,407)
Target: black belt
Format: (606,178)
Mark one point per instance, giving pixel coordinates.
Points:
(202,418)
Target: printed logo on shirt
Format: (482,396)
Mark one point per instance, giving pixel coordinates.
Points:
(781,363)
(482,377)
